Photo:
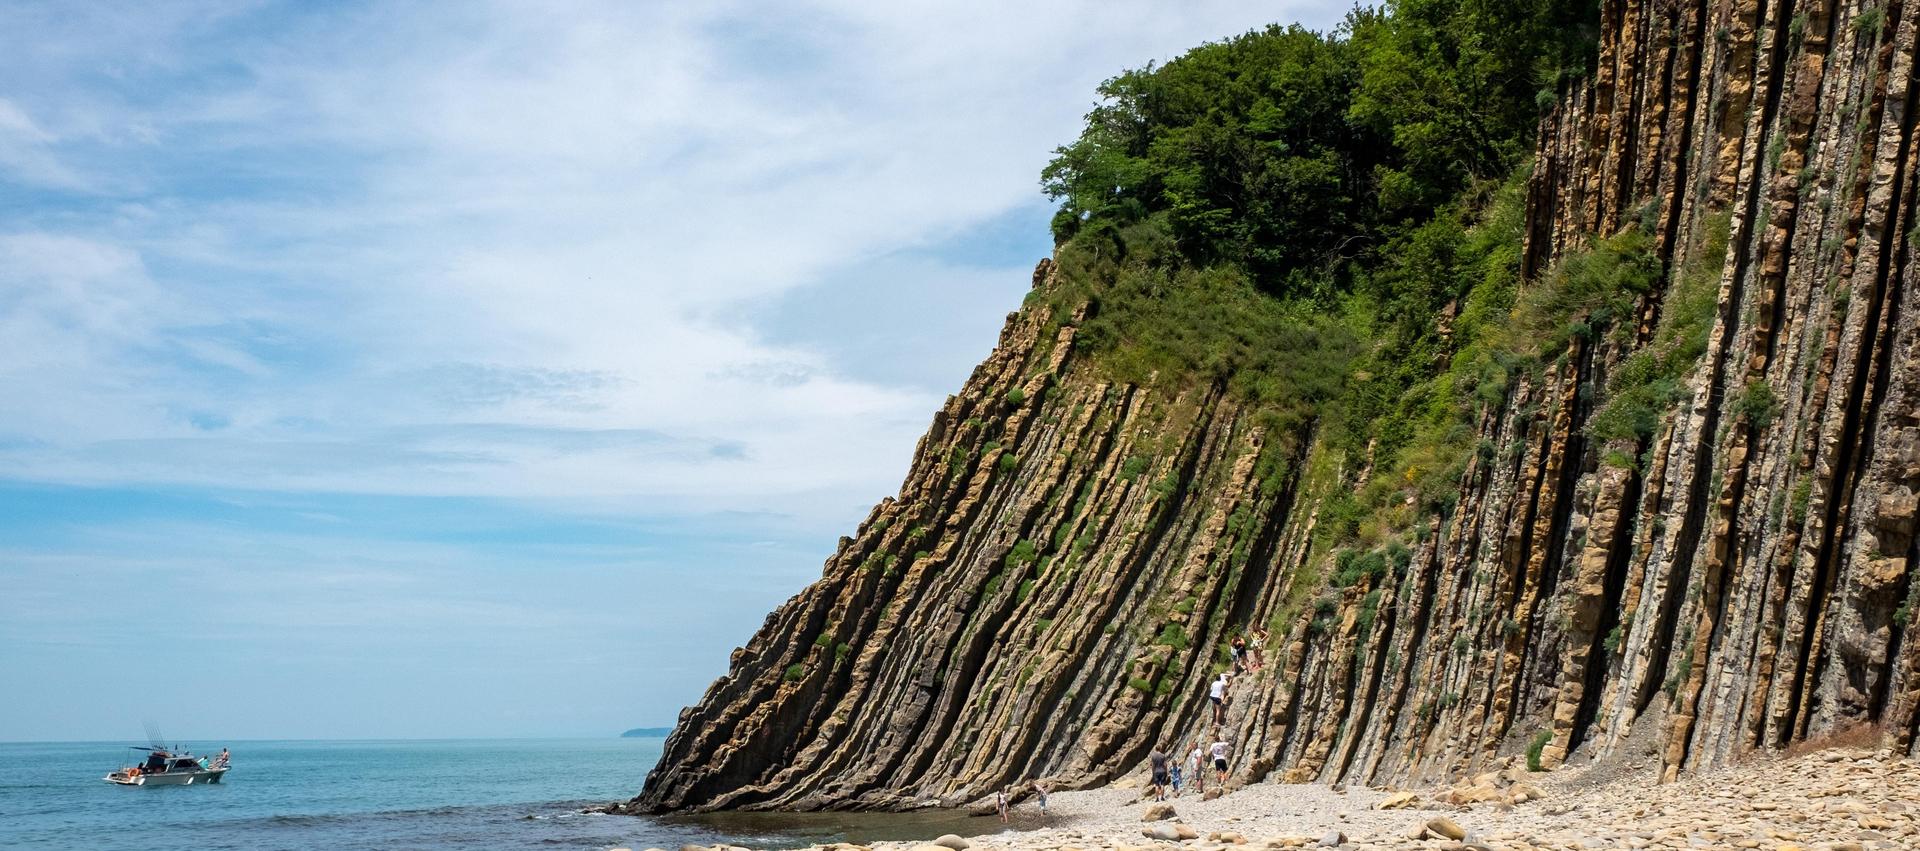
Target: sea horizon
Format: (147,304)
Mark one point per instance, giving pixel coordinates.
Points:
(368,739)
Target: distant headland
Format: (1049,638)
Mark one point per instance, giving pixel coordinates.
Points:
(647,733)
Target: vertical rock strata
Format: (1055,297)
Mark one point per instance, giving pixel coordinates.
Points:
(1047,595)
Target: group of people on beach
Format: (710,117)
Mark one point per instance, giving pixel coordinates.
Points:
(1172,775)
(1170,772)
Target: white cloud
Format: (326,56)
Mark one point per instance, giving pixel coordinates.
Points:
(27,152)
(410,250)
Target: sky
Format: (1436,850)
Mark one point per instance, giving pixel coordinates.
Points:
(394,370)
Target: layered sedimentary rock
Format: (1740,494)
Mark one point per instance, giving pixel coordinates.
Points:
(1048,593)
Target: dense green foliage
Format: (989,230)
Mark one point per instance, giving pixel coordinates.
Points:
(1329,227)
(1293,154)
(1285,213)
(1648,382)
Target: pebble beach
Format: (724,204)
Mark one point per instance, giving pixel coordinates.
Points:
(1835,800)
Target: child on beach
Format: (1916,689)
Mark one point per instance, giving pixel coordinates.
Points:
(1040,794)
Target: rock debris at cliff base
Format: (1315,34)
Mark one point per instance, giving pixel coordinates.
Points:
(1836,800)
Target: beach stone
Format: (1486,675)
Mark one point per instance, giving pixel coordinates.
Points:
(1398,801)
(1232,838)
(1212,794)
(1163,831)
(1446,828)
(1333,839)
(1158,812)
(1520,793)
(953,841)
(1185,830)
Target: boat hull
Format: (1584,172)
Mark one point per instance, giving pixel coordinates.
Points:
(200,777)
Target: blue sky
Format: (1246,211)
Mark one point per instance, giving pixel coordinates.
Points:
(487,369)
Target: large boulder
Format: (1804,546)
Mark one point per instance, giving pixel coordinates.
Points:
(1398,801)
(1446,828)
(1164,830)
(1158,812)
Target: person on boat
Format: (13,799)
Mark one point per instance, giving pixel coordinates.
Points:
(221,760)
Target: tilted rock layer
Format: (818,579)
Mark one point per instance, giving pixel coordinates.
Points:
(1046,595)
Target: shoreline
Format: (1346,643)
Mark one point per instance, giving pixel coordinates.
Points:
(1833,800)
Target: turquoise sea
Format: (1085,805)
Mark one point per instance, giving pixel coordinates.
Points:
(349,795)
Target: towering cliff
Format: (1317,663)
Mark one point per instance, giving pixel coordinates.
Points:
(1689,520)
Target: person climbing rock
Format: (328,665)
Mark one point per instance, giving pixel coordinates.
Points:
(1256,648)
(1238,648)
(1217,693)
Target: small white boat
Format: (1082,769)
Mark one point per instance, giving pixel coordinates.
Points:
(166,768)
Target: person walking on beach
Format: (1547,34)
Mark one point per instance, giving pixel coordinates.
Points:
(1219,751)
(1217,693)
(1040,794)
(1198,762)
(1174,773)
(1157,766)
(1000,803)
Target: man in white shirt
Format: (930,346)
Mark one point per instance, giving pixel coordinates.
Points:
(1217,693)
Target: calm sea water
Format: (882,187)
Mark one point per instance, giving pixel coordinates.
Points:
(346,796)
